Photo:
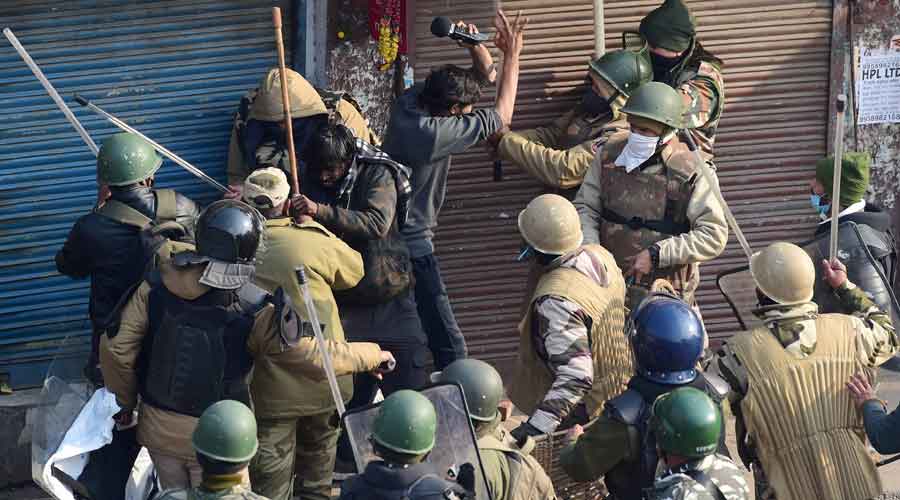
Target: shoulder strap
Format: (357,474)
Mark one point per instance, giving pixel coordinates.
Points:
(165,205)
(626,407)
(122,213)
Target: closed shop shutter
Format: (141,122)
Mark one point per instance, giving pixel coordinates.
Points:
(173,69)
(773,129)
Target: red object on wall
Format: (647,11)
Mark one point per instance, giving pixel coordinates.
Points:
(396,10)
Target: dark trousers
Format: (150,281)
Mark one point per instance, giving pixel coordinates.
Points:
(444,337)
(395,326)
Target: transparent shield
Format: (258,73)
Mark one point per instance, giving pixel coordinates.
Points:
(739,289)
(62,399)
(455,443)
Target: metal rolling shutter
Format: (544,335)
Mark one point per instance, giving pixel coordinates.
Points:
(174,69)
(777,57)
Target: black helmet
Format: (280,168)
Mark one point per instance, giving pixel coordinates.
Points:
(229,231)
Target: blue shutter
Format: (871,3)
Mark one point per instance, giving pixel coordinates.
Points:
(174,70)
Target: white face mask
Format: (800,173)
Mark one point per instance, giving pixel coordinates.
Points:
(638,150)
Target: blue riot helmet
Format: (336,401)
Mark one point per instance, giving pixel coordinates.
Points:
(666,338)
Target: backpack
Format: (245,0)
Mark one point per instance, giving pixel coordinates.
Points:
(160,241)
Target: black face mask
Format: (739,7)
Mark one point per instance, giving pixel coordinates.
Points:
(663,65)
(593,104)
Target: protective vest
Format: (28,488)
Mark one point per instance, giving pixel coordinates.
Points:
(629,478)
(613,364)
(194,353)
(527,479)
(645,206)
(807,434)
(426,487)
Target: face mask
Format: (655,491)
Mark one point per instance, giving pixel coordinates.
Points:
(638,150)
(663,65)
(816,201)
(593,104)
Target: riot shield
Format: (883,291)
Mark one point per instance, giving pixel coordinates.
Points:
(455,442)
(862,249)
(739,290)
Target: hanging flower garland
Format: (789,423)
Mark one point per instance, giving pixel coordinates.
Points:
(387,29)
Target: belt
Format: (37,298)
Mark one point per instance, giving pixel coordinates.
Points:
(665,226)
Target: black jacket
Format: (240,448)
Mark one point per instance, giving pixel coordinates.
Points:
(872,216)
(416,482)
(111,253)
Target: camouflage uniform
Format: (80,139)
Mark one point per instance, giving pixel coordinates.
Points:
(874,341)
(722,472)
(666,189)
(701,86)
(238,492)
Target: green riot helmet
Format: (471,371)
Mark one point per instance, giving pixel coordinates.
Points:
(226,432)
(658,102)
(406,423)
(687,423)
(126,159)
(481,385)
(625,70)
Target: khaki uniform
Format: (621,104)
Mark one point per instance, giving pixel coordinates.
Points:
(293,410)
(612,359)
(168,433)
(799,421)
(273,155)
(666,191)
(510,473)
(560,154)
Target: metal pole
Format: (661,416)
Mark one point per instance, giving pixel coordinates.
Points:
(836,179)
(712,180)
(168,154)
(313,317)
(599,29)
(50,90)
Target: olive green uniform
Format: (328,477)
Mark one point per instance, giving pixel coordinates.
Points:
(510,472)
(215,487)
(296,416)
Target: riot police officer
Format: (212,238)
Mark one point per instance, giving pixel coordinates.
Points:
(687,425)
(559,154)
(680,61)
(197,325)
(106,244)
(666,338)
(645,201)
(500,453)
(257,137)
(865,235)
(787,377)
(572,354)
(403,434)
(225,441)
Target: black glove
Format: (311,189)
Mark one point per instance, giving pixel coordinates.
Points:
(522,432)
(466,476)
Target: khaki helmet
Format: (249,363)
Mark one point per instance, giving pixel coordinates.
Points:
(784,273)
(305,101)
(550,225)
(658,102)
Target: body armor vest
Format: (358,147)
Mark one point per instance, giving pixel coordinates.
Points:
(807,434)
(627,480)
(613,363)
(527,479)
(646,206)
(195,351)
